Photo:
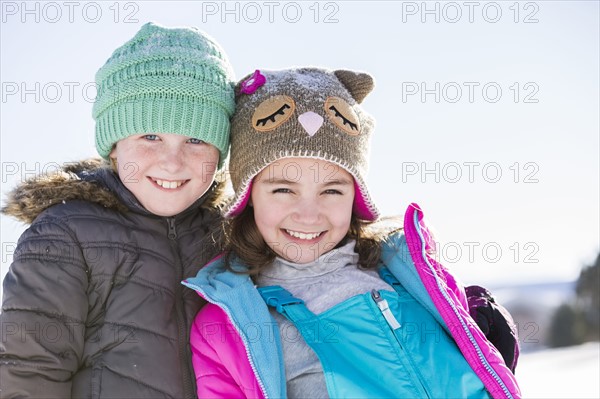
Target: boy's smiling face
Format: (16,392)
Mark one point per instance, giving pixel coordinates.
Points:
(166,172)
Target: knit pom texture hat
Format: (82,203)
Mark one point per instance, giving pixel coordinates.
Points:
(301,113)
(165,80)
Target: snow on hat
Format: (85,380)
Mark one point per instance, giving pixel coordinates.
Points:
(306,113)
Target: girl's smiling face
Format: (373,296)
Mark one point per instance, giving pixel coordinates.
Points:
(166,172)
(302,207)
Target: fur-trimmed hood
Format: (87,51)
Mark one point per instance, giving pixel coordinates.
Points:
(81,180)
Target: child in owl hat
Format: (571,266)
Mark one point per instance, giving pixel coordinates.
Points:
(93,305)
(309,301)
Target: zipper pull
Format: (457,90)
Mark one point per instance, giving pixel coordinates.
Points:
(383,306)
(172,232)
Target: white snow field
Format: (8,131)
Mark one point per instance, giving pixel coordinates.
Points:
(571,372)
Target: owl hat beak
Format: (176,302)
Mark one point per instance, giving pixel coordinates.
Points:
(311,122)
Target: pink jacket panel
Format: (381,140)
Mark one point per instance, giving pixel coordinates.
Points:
(211,330)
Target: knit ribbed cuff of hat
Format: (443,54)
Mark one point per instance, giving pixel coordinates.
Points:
(201,119)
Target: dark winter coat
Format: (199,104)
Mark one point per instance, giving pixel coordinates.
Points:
(93,306)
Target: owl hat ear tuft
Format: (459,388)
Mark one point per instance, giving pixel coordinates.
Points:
(359,84)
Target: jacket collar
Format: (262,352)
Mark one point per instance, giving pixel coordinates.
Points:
(237,296)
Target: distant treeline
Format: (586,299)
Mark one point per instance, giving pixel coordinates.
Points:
(578,321)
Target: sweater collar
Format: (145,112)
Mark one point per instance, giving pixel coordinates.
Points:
(329,262)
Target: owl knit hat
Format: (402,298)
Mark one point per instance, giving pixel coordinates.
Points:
(165,80)
(306,113)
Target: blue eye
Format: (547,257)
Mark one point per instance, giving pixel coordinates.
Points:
(150,137)
(196,141)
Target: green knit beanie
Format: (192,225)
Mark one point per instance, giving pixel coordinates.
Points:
(165,80)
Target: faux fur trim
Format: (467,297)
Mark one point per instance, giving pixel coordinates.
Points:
(37,194)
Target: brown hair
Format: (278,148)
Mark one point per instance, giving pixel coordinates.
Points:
(219,196)
(243,240)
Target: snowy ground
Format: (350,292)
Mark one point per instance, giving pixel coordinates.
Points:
(571,372)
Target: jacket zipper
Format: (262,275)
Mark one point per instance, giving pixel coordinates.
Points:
(188,389)
(239,332)
(394,325)
(482,358)
(172,230)
(383,306)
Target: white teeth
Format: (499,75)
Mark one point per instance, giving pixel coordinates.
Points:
(303,236)
(169,184)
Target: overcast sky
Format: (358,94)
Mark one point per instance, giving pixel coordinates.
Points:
(487,112)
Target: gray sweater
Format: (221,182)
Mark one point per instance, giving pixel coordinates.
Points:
(322,284)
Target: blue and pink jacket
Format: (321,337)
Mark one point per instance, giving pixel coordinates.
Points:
(235,342)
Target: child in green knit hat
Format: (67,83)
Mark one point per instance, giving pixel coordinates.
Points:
(93,305)
(165,97)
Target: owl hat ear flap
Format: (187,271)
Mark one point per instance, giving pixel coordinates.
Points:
(359,84)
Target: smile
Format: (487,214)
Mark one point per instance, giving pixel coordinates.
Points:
(303,236)
(170,185)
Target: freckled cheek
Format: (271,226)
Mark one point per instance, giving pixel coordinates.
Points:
(203,154)
(130,172)
(133,164)
(204,165)
(138,154)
